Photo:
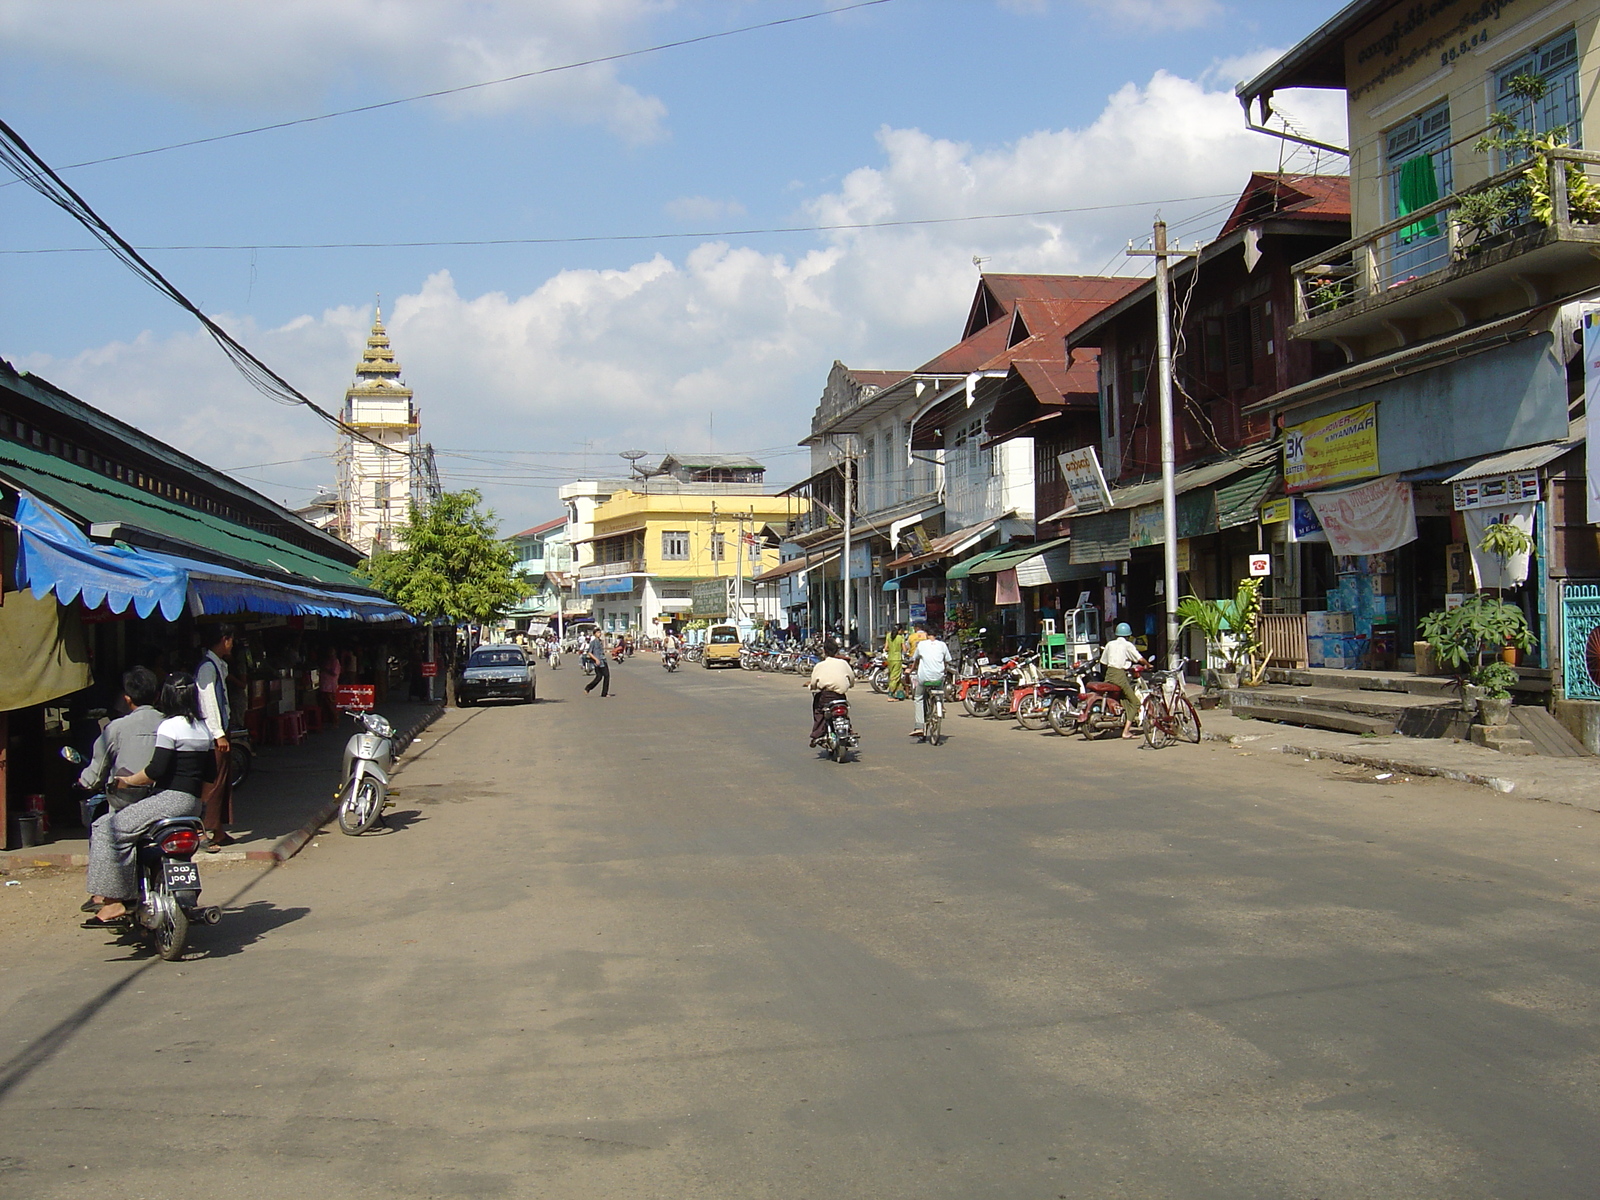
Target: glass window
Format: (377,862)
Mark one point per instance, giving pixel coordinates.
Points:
(1417,154)
(1561,109)
(675,545)
(719,547)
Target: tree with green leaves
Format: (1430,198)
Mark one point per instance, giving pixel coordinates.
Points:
(449,564)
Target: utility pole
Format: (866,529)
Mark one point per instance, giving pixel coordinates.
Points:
(1169,454)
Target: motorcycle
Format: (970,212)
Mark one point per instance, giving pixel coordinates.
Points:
(839,738)
(1098,705)
(169,879)
(241,754)
(368,760)
(669,660)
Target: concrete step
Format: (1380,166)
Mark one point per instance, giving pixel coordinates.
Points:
(1439,686)
(1420,716)
(1507,739)
(1340,720)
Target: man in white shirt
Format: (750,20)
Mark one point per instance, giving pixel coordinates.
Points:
(830,679)
(211,678)
(929,663)
(1118,658)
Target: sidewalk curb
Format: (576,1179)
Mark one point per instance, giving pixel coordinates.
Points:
(291,844)
(1376,761)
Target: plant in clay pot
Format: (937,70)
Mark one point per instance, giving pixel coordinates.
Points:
(1230,629)
(1468,639)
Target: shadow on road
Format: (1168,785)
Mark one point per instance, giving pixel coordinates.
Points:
(241,927)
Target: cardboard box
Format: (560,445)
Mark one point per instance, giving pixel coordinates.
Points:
(1329,622)
(1383,585)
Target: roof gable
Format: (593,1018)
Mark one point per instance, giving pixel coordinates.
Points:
(1313,197)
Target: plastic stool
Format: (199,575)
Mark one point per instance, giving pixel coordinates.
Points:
(290,729)
(312,719)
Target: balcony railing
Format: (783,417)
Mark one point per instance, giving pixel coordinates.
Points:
(1505,215)
(626,566)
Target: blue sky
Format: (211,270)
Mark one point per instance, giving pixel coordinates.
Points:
(548,359)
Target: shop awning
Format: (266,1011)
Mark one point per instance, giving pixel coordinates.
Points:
(55,556)
(1140,494)
(968,566)
(1528,458)
(951,544)
(803,563)
(214,590)
(1015,556)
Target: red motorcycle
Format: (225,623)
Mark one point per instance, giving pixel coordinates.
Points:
(1097,707)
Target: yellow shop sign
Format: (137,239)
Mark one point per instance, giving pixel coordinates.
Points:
(1336,448)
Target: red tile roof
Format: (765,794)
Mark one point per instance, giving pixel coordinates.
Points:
(1050,305)
(1310,197)
(548,525)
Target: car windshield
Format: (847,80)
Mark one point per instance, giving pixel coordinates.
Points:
(723,637)
(496,658)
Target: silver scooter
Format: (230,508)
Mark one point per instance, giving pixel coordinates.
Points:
(368,759)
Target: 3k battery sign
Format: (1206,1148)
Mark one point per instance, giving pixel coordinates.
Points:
(1338,448)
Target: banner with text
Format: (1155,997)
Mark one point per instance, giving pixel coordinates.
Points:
(1335,448)
(1368,519)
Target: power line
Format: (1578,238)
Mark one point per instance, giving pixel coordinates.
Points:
(469,87)
(651,237)
(20,158)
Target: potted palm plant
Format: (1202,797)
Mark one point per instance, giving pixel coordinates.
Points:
(1230,631)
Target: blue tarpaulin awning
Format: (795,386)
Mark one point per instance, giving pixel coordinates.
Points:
(54,555)
(216,589)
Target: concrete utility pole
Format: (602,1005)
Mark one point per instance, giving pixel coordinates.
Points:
(1169,453)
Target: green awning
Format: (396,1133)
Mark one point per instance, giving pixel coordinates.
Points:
(967,565)
(1005,557)
(98,499)
(1239,500)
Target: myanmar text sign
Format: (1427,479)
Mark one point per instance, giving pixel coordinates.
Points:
(1336,448)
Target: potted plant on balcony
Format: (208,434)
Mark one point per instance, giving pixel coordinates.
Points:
(1467,640)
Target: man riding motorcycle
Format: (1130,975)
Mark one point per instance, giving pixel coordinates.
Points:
(830,679)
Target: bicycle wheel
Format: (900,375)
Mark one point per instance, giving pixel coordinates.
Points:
(930,718)
(1157,723)
(1185,720)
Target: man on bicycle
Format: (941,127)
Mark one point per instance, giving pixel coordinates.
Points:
(929,662)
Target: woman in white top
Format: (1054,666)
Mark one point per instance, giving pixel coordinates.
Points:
(182,765)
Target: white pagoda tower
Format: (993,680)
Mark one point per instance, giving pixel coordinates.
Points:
(381,474)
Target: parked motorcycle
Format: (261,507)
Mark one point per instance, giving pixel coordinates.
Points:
(1097,707)
(368,760)
(169,880)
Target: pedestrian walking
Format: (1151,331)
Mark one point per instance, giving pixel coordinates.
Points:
(211,684)
(596,654)
(894,655)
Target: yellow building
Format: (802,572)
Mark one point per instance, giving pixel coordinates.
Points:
(649,551)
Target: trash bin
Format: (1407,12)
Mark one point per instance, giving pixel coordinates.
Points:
(24,830)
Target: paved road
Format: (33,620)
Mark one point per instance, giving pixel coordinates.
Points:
(653,947)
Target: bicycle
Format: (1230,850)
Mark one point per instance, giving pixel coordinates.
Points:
(932,713)
(1167,714)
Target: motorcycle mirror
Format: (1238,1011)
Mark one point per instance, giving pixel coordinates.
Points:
(74,757)
(983,629)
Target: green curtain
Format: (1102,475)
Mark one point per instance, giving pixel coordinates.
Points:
(1419,187)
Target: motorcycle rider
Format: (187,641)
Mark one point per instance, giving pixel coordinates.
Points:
(1118,656)
(127,743)
(671,647)
(183,761)
(830,679)
(929,662)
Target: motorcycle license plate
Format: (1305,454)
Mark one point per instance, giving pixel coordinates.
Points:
(182,876)
(983,662)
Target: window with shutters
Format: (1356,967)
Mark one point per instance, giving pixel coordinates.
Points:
(675,545)
(1560,109)
(719,547)
(1241,357)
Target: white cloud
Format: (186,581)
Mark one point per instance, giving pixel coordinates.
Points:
(641,355)
(703,208)
(287,51)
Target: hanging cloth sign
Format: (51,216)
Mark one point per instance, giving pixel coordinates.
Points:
(1006,590)
(1369,519)
(1490,569)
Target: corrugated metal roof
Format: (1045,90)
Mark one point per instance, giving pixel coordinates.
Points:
(1141,494)
(1100,537)
(1239,500)
(1012,556)
(1527,458)
(96,499)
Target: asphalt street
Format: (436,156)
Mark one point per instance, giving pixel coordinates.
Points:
(653,946)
